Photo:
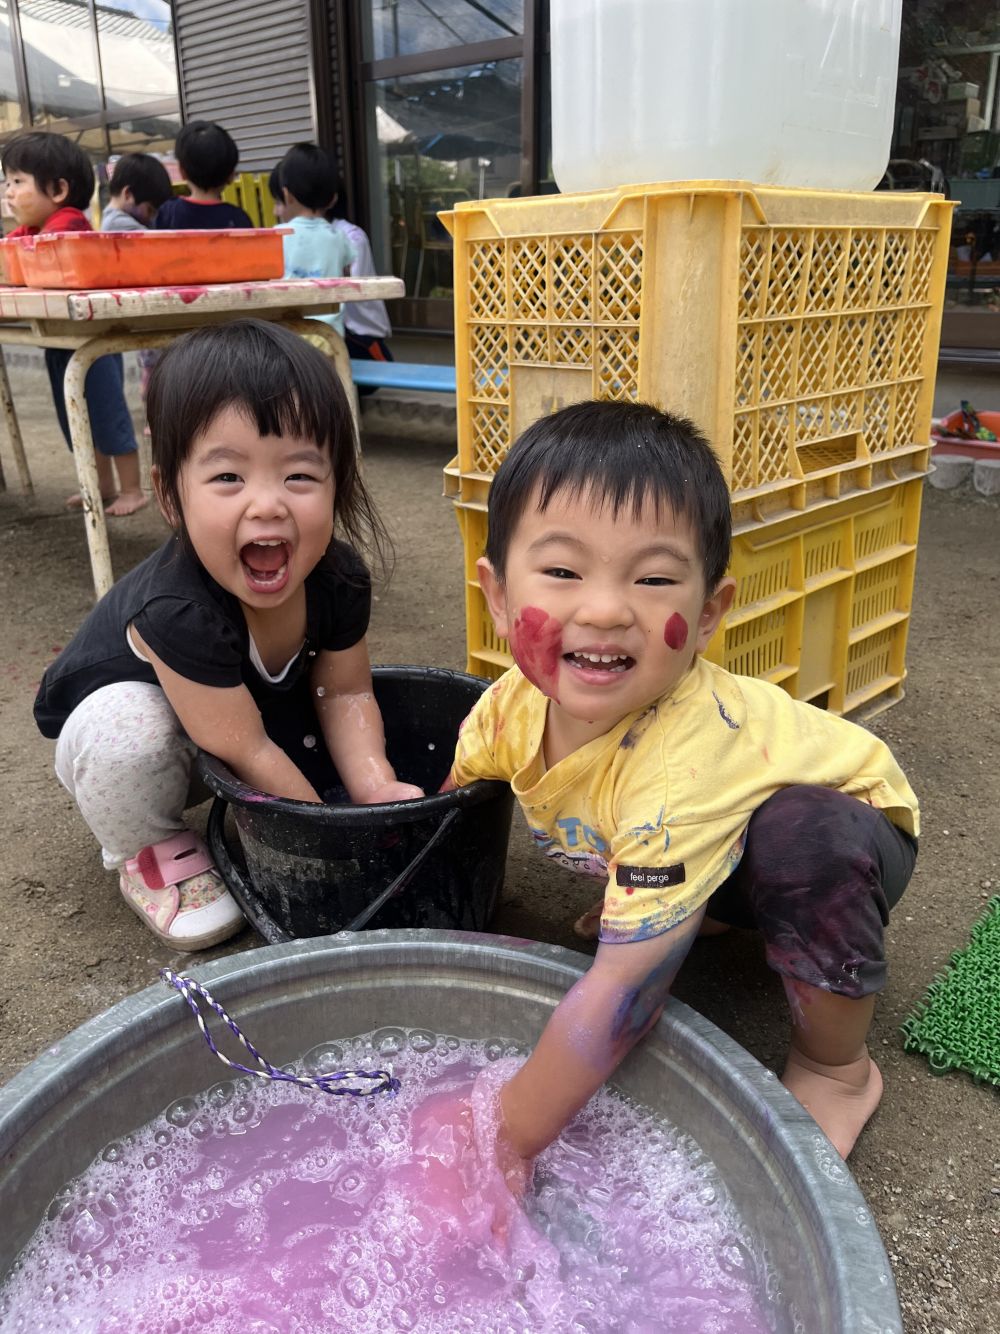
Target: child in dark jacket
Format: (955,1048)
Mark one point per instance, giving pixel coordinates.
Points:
(207,157)
(49,183)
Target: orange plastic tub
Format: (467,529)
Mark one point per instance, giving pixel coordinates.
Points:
(11,271)
(151,259)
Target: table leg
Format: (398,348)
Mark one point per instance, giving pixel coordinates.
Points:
(85,459)
(14,431)
(341,358)
(84,454)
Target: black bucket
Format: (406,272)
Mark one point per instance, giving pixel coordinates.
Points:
(314,870)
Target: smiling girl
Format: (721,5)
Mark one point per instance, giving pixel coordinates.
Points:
(243,635)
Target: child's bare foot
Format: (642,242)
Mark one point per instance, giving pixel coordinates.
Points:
(839,1098)
(75,501)
(710,927)
(126,502)
(588,927)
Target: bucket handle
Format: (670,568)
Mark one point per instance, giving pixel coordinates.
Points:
(406,875)
(262,924)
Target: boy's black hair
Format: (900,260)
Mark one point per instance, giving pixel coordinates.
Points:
(52,158)
(309,174)
(284,386)
(274,183)
(622,454)
(145,176)
(206,153)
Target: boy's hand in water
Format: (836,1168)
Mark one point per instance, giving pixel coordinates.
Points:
(394,791)
(517,1172)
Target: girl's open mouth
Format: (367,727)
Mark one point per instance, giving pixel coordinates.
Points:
(599,666)
(265,565)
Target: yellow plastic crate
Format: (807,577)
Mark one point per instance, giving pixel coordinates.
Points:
(798,329)
(822,602)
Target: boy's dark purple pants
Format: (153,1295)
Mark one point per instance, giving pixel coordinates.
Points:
(819,873)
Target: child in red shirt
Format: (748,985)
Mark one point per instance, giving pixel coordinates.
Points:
(49,182)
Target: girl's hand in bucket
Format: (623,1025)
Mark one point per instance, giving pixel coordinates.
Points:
(394,791)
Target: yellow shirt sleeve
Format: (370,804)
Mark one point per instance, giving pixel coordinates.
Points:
(475,750)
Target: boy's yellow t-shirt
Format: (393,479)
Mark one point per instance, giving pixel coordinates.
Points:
(659,805)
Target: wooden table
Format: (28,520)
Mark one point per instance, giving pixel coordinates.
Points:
(96,323)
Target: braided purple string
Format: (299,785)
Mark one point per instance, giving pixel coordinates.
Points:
(333,1083)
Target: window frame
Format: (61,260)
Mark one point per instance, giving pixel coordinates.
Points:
(72,126)
(425,315)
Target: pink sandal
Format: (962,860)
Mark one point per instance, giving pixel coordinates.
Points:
(176,890)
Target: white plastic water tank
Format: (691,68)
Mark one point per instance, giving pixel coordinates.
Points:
(781,92)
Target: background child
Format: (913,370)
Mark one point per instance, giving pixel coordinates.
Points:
(303,184)
(366,323)
(243,635)
(49,182)
(684,787)
(207,157)
(138,188)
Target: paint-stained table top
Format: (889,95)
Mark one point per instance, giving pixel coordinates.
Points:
(129,303)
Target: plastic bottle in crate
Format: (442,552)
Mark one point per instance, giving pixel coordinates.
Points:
(781,92)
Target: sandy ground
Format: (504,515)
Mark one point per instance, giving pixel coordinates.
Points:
(929,1164)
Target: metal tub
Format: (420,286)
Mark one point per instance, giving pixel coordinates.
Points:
(119,1070)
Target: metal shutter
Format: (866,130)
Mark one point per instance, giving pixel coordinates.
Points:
(246,64)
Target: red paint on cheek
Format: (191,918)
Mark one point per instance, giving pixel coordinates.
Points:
(675,632)
(536,643)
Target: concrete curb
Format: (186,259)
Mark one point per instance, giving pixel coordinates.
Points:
(986,477)
(950,471)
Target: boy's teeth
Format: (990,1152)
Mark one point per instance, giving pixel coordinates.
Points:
(601,657)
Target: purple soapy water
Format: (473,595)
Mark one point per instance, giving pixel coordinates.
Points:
(263,1208)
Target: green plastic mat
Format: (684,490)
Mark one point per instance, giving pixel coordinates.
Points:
(957,1024)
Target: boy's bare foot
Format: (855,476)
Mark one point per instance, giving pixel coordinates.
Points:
(839,1098)
(588,927)
(75,501)
(710,927)
(126,502)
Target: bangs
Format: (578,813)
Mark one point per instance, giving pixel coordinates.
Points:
(279,391)
(623,457)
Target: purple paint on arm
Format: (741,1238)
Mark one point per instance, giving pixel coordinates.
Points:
(641,1005)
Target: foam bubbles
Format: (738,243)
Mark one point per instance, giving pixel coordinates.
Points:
(259,1207)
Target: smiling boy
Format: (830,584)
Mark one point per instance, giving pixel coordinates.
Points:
(689,790)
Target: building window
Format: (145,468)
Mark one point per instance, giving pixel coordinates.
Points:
(60,53)
(440,138)
(10,101)
(394,28)
(103,74)
(136,42)
(947,137)
(449,106)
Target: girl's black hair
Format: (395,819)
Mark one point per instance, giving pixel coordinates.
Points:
(52,158)
(621,454)
(145,176)
(309,174)
(284,386)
